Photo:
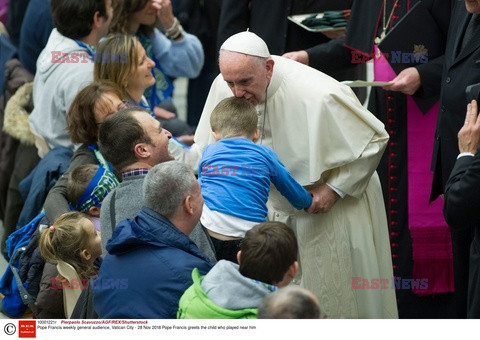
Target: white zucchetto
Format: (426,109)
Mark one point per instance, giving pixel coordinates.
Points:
(247,43)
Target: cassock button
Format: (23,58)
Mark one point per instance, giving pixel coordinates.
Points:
(448,80)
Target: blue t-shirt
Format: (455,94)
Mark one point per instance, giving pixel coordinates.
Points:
(235,176)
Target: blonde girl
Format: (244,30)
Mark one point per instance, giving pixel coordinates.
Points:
(72,239)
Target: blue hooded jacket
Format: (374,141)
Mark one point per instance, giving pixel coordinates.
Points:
(147,269)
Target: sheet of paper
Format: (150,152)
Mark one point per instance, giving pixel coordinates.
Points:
(363,83)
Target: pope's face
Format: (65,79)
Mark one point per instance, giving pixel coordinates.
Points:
(247,76)
(473,6)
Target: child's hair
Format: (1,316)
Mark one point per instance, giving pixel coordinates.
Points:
(88,185)
(234,117)
(268,250)
(66,239)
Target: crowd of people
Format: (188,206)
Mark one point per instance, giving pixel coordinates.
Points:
(283,196)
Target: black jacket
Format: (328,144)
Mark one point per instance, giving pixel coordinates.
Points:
(459,71)
(461,207)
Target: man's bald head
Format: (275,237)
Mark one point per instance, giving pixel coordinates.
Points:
(291,302)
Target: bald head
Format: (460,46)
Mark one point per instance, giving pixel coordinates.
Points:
(291,302)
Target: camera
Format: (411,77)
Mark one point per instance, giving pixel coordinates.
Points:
(473,92)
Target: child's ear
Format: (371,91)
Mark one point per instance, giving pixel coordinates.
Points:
(94,211)
(217,135)
(256,135)
(86,254)
(289,275)
(293,269)
(239,256)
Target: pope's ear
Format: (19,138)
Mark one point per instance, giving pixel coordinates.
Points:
(269,66)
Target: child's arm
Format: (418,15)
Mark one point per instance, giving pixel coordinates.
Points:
(296,195)
(56,202)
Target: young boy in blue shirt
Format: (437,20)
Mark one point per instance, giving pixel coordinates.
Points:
(235,176)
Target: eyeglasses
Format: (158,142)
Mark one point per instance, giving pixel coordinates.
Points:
(125,104)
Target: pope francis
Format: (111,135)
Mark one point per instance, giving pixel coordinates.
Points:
(331,145)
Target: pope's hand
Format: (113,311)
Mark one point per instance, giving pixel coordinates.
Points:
(324,198)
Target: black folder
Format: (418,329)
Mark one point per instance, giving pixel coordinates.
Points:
(414,40)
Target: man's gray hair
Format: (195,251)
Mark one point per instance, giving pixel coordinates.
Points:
(291,302)
(166,186)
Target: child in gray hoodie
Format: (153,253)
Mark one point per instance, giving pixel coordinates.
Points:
(267,260)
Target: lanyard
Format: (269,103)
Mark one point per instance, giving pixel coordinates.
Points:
(90,49)
(99,156)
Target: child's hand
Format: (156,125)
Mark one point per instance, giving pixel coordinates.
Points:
(311,207)
(162,113)
(186,139)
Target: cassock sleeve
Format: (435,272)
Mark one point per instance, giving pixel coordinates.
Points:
(353,178)
(346,143)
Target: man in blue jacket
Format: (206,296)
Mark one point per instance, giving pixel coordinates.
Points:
(150,257)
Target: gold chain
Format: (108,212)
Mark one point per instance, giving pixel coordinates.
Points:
(385,23)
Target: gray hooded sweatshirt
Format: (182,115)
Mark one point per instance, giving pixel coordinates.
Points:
(229,289)
(63,69)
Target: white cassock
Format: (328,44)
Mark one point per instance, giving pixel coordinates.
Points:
(320,131)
